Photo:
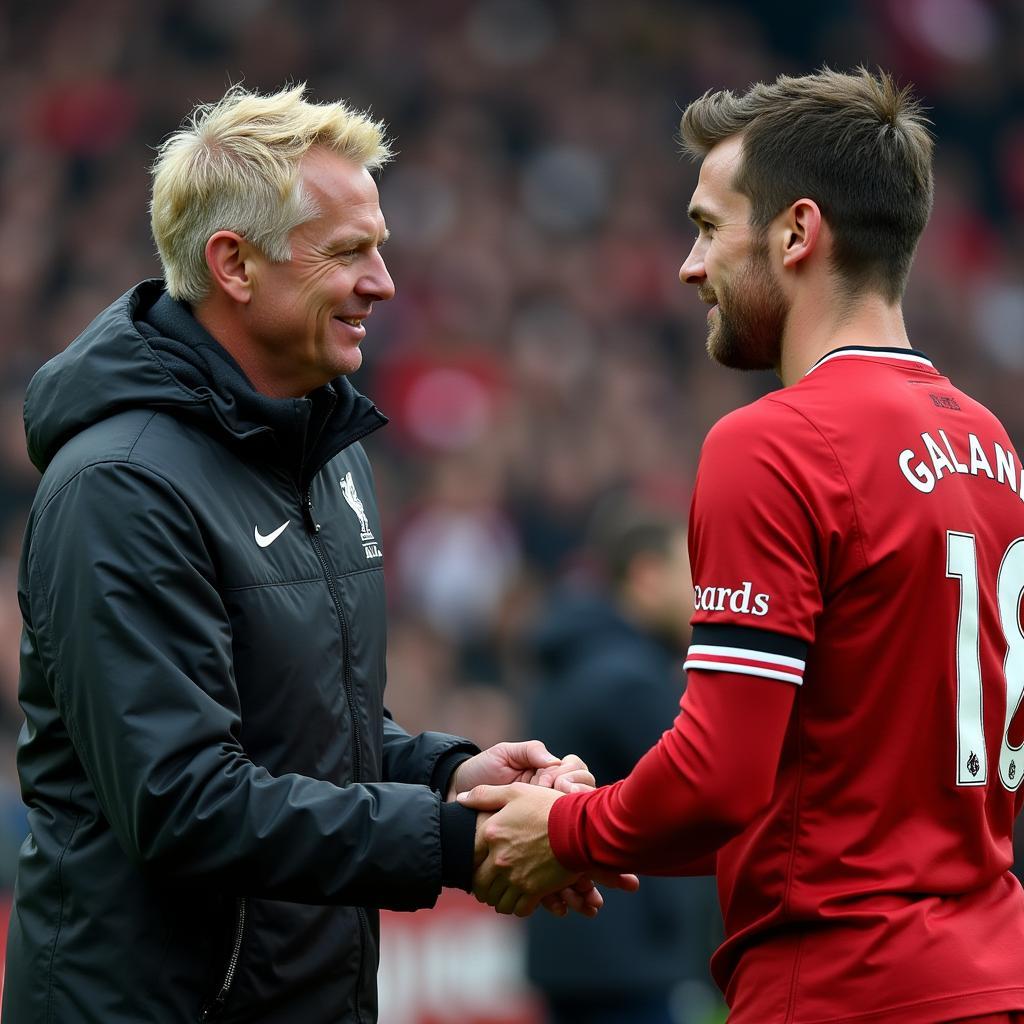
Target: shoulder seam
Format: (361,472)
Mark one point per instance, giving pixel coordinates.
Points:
(108,462)
(828,444)
(142,430)
(126,458)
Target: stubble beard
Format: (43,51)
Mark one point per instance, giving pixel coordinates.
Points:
(746,333)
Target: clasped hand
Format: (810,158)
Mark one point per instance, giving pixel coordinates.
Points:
(516,870)
(529,761)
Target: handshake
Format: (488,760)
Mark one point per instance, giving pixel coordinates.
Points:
(513,786)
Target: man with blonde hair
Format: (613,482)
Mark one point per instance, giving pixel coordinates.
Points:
(846,760)
(218,799)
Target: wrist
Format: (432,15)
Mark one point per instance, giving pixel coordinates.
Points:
(445,772)
(453,786)
(565,831)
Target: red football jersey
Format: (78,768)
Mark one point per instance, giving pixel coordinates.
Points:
(860,536)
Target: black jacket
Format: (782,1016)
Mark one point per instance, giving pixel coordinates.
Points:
(207,762)
(607,691)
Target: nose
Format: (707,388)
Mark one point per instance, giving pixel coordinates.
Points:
(692,270)
(376,283)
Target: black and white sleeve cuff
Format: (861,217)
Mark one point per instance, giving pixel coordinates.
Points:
(747,652)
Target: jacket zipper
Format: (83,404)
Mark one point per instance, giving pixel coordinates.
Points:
(217,1003)
(313,528)
(364,934)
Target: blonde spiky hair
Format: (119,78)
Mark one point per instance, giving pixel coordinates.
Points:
(234,166)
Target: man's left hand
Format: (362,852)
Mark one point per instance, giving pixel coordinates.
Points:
(528,761)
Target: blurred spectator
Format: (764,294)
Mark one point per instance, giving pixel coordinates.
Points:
(610,658)
(13,814)
(458,554)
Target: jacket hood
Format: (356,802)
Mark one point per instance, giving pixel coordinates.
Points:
(146,350)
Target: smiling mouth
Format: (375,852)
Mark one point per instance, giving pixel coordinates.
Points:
(352,321)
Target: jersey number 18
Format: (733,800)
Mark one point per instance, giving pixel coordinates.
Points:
(971,757)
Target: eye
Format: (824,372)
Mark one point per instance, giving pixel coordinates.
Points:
(705,229)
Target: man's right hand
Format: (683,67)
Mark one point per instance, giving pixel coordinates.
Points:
(520,847)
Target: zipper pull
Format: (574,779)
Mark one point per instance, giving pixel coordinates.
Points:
(211,1009)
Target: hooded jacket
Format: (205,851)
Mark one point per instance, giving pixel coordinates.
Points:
(208,765)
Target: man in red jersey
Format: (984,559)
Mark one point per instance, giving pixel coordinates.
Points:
(845,760)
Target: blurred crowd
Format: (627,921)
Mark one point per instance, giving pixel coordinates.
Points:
(540,353)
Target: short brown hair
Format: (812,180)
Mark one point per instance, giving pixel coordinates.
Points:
(857,144)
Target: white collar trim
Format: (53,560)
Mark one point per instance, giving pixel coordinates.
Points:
(874,353)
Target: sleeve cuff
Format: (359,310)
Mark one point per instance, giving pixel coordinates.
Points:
(447,765)
(458,841)
(747,651)
(565,830)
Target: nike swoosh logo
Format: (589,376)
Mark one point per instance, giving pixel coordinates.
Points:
(266,541)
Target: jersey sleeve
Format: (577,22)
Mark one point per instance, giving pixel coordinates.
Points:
(698,787)
(770,507)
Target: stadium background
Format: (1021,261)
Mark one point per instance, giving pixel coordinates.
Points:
(540,352)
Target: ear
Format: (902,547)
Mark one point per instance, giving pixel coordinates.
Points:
(801,231)
(229,258)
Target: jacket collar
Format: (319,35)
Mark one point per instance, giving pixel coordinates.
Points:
(147,351)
